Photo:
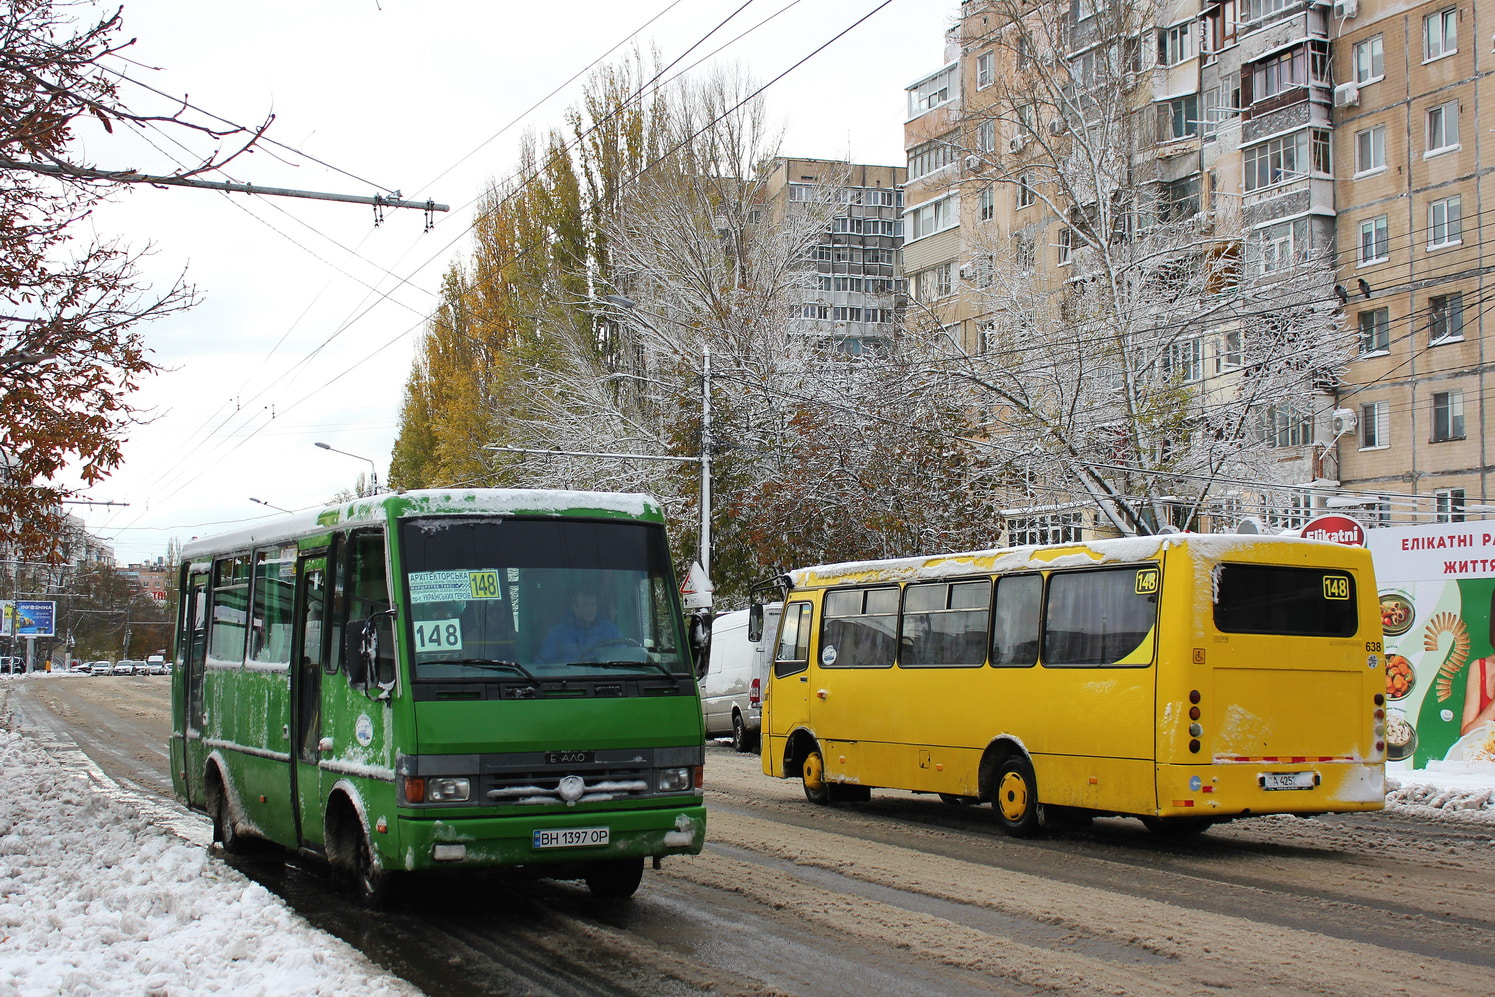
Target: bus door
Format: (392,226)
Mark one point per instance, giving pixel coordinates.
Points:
(193,664)
(310,657)
(789,701)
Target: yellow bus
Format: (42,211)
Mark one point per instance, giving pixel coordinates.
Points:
(1186,679)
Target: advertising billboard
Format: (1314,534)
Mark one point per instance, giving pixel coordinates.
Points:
(27,619)
(1437,588)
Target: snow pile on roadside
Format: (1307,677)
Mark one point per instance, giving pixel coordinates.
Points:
(96,900)
(1461,791)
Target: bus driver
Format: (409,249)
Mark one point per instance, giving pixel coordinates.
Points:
(580,632)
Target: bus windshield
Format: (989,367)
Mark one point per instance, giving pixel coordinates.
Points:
(539,598)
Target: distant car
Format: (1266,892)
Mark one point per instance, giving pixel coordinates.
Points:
(79,668)
(101,667)
(129,666)
(155,665)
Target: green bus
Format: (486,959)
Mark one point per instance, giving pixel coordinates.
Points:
(436,679)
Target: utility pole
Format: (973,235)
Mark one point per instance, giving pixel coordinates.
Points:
(705,553)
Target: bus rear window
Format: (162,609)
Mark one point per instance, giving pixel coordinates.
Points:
(1301,602)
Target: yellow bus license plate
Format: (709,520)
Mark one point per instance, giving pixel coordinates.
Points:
(571,837)
(1286,780)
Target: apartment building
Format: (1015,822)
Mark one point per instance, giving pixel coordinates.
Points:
(1414,156)
(1290,134)
(852,300)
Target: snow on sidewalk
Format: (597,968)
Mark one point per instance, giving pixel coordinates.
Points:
(95,899)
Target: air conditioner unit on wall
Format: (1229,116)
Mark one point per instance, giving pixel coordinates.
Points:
(1346,9)
(1347,95)
(1343,421)
(1016,145)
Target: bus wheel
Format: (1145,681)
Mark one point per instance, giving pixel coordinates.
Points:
(741,740)
(812,771)
(224,832)
(615,879)
(372,886)
(1016,797)
(1176,827)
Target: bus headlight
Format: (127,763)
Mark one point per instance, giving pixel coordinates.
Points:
(446,789)
(674,780)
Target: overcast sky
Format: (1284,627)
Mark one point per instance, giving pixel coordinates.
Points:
(310,314)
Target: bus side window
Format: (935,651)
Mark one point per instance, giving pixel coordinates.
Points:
(793,654)
(1015,623)
(368,587)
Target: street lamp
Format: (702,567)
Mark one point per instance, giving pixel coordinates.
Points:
(373,468)
(270,504)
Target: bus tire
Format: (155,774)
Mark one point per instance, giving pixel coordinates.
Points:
(225,835)
(615,879)
(1015,797)
(812,773)
(1177,827)
(371,885)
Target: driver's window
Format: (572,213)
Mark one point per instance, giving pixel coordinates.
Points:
(793,653)
(368,596)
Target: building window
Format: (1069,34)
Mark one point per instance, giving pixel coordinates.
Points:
(985,65)
(1448,416)
(931,217)
(1369,61)
(1287,425)
(1229,355)
(1443,127)
(1176,44)
(1440,34)
(1287,158)
(986,204)
(1375,330)
(929,156)
(1370,149)
(1375,425)
(1445,318)
(1445,227)
(1277,245)
(1025,194)
(1066,246)
(1027,254)
(935,283)
(1374,241)
(933,91)
(1289,70)
(1183,359)
(1178,118)
(986,136)
(1178,200)
(1448,505)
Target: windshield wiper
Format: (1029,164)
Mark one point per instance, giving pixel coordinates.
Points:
(622,664)
(486,663)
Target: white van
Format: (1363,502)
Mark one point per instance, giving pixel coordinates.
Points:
(737,676)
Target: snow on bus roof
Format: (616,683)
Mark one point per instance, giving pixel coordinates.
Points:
(451,501)
(1073,555)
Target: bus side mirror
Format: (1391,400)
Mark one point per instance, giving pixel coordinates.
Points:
(755,622)
(700,640)
(360,651)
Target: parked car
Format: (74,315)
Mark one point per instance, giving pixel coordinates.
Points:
(101,667)
(79,668)
(129,666)
(155,664)
(736,676)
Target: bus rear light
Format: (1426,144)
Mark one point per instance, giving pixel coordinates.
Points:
(1183,803)
(1194,696)
(1380,699)
(1195,730)
(755,692)
(1194,747)
(1380,746)
(1193,713)
(1379,715)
